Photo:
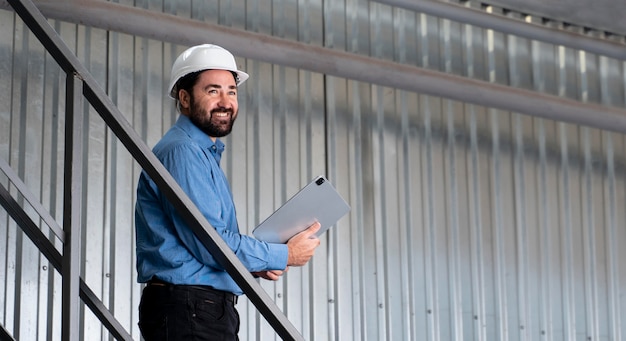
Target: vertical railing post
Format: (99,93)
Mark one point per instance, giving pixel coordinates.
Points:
(72,208)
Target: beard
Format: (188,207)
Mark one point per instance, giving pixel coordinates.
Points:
(209,123)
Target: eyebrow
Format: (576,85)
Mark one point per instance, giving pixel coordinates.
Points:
(219,86)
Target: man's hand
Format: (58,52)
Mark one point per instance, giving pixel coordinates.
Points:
(302,246)
(271,275)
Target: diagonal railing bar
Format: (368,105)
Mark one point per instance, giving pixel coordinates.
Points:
(30,198)
(118,124)
(56,260)
(5,335)
(45,248)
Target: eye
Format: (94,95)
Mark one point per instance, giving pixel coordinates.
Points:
(212,91)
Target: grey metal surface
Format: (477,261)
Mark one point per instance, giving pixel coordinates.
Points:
(602,14)
(518,25)
(468,222)
(381,71)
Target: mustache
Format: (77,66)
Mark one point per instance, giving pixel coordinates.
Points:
(222,109)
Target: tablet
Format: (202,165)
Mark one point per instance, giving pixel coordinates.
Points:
(317,201)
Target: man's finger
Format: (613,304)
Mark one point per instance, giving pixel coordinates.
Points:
(313,228)
(277,272)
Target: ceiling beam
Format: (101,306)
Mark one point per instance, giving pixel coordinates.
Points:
(186,32)
(508,25)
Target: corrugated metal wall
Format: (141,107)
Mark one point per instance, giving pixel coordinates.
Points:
(467,223)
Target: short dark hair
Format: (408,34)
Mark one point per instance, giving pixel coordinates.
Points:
(187,82)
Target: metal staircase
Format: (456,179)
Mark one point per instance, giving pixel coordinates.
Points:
(80,85)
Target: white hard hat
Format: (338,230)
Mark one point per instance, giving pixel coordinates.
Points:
(203,57)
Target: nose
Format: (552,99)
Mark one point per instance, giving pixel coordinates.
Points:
(223,101)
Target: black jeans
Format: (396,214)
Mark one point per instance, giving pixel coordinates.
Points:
(184,312)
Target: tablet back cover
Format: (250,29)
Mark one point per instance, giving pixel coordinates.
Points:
(317,201)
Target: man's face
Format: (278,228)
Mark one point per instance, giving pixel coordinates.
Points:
(212,106)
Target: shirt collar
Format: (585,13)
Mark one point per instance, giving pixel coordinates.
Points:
(203,140)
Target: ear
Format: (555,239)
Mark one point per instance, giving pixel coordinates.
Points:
(184,98)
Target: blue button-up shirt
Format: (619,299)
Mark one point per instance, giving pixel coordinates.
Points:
(166,247)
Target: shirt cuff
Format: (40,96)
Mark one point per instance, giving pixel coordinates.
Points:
(280,255)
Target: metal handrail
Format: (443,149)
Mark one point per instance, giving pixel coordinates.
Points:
(39,239)
(5,335)
(30,197)
(80,80)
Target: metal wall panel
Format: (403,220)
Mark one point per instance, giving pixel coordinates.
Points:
(603,14)
(467,223)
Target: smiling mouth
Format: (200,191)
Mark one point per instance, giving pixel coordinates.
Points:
(220,117)
(221,113)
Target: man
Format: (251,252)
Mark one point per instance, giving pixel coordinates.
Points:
(188,295)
